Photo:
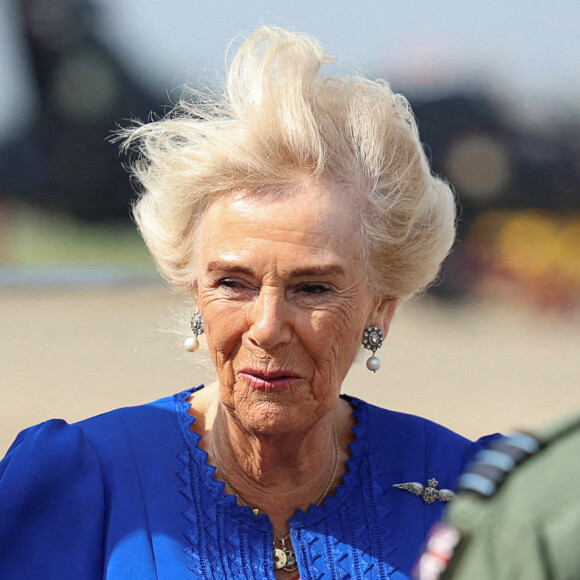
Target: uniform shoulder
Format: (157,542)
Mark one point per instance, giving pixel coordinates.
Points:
(517,513)
(506,457)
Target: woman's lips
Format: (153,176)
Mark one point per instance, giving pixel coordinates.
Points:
(269,380)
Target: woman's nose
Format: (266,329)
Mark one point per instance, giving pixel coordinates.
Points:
(270,323)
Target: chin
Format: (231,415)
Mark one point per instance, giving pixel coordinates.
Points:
(272,417)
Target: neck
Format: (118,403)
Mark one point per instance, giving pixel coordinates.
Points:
(277,474)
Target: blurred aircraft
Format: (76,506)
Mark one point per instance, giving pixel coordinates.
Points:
(498,170)
(63,161)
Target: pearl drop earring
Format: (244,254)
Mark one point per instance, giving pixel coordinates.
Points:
(191,344)
(373,340)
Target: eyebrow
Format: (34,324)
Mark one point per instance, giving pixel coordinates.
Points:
(217,266)
(322,270)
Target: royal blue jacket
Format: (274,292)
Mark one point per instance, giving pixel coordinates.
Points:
(128,495)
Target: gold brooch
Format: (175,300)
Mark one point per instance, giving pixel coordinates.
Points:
(429,493)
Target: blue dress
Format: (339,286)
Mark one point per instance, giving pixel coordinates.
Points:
(128,495)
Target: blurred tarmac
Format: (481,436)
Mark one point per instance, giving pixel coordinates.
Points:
(476,367)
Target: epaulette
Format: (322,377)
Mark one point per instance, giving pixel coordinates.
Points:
(491,466)
(534,474)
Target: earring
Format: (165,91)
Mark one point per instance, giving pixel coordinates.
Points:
(373,340)
(191,344)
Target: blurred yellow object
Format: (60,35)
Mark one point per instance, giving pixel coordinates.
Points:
(528,244)
(570,250)
(532,253)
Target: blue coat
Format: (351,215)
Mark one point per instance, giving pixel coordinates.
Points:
(128,495)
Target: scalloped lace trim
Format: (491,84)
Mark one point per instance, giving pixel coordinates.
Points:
(194,459)
(217,488)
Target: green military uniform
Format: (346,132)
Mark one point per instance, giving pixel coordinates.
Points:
(517,513)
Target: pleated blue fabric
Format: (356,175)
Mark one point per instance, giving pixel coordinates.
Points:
(129,495)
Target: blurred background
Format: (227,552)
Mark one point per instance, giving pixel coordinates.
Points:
(496,90)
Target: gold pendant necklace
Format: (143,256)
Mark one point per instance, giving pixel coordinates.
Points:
(284,557)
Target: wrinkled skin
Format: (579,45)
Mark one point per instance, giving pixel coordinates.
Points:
(281,287)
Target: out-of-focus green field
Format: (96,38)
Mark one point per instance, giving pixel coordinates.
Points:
(30,237)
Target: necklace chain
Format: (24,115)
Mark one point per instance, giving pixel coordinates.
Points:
(284,557)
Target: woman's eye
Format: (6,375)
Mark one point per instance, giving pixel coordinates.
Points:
(314,288)
(232,283)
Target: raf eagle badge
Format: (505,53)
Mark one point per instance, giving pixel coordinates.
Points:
(429,493)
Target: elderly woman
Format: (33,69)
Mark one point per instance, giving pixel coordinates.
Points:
(299,211)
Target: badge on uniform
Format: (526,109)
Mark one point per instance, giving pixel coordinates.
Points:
(429,494)
(439,548)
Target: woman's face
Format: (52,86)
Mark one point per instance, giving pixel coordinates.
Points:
(284,298)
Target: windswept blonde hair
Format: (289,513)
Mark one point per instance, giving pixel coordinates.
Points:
(279,124)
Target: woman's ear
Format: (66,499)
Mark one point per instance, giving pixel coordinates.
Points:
(384,312)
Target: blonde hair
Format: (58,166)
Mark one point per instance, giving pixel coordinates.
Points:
(281,123)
